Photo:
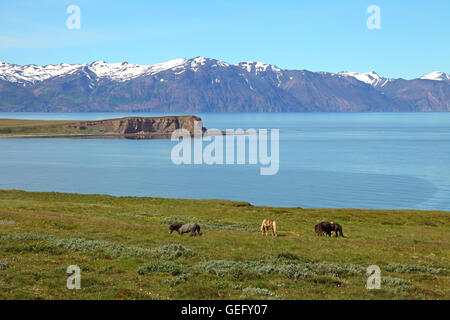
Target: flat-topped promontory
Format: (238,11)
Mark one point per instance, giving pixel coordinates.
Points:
(139,127)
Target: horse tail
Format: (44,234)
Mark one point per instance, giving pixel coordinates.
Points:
(340,232)
(263,225)
(198,230)
(274,226)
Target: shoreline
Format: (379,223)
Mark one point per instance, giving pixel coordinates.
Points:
(238,203)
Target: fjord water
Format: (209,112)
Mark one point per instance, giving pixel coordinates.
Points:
(339,160)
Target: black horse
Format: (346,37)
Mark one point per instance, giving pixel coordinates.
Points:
(175,227)
(336,227)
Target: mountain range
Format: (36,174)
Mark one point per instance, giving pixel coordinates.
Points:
(208,85)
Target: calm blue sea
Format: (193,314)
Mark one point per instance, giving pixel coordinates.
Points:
(339,160)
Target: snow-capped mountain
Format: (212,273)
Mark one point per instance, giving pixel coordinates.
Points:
(203,84)
(33,73)
(436,75)
(121,71)
(371,78)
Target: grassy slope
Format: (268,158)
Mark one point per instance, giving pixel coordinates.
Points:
(36,268)
(11,127)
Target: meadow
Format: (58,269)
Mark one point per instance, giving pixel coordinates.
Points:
(19,127)
(125,251)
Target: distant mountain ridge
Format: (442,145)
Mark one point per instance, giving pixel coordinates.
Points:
(208,85)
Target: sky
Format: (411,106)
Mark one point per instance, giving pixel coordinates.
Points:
(321,35)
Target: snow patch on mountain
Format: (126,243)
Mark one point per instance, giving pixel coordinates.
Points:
(33,73)
(371,78)
(436,75)
(257,67)
(121,71)
(175,64)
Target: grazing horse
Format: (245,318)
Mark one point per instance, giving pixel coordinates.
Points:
(336,227)
(269,224)
(327,228)
(185,228)
(175,227)
(319,230)
(323,228)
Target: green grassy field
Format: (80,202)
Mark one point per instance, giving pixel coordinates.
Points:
(124,250)
(14,127)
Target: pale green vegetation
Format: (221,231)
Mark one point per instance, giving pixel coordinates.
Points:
(124,250)
(18,127)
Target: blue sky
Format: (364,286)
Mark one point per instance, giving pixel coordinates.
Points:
(316,35)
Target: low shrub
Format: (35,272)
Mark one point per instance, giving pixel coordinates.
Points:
(242,275)
(75,244)
(391,281)
(112,249)
(25,236)
(4,265)
(218,267)
(289,270)
(295,271)
(250,291)
(8,222)
(409,268)
(172,251)
(182,278)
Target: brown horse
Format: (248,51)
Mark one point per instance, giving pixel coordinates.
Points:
(269,224)
(326,228)
(323,228)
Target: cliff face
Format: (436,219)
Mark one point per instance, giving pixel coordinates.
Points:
(140,125)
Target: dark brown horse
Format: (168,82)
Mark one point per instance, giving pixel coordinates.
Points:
(323,228)
(326,228)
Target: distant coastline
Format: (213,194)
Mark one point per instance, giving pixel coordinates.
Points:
(128,127)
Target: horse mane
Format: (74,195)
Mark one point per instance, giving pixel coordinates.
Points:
(263,224)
